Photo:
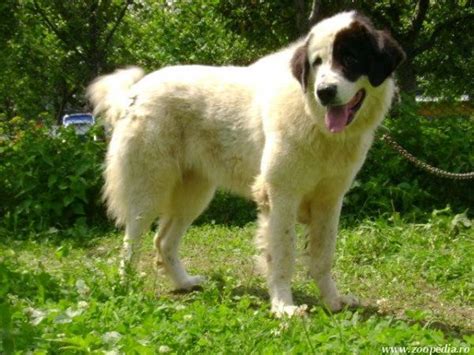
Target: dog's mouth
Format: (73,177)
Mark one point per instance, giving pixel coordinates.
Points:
(338,117)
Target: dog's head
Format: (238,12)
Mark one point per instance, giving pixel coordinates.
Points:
(341,61)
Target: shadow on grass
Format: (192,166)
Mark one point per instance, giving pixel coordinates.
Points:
(365,311)
(36,284)
(80,236)
(230,210)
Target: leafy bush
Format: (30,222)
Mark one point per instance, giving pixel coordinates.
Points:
(48,179)
(204,32)
(55,180)
(388,183)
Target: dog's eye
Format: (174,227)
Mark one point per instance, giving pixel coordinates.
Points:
(317,61)
(351,60)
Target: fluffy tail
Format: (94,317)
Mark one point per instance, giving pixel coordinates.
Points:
(110,93)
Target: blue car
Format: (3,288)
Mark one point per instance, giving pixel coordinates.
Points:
(81,122)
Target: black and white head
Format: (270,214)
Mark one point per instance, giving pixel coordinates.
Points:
(342,61)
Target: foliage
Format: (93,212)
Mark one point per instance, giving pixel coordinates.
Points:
(414,279)
(49,179)
(228,209)
(76,42)
(53,50)
(182,33)
(55,180)
(387,182)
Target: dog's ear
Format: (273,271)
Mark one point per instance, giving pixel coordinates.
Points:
(300,65)
(388,56)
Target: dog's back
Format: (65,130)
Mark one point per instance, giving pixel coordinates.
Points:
(178,120)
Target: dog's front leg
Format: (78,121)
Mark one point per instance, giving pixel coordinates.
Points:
(277,239)
(325,214)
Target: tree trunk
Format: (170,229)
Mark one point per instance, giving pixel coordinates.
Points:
(406,76)
(301,22)
(8,107)
(64,100)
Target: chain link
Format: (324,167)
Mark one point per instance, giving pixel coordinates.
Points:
(421,164)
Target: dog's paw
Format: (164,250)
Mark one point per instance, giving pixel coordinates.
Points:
(341,302)
(190,283)
(281,310)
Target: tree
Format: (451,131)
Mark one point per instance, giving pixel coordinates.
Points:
(62,46)
(51,49)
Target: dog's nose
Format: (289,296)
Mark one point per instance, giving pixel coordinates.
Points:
(326,93)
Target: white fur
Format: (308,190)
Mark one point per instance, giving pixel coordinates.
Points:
(183,131)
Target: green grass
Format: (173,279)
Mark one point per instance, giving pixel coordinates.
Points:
(415,281)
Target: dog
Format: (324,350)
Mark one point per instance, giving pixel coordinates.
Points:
(289,131)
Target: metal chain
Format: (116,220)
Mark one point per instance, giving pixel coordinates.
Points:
(421,164)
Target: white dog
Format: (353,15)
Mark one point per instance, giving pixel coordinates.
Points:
(291,131)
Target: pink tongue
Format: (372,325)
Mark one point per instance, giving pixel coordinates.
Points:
(336,117)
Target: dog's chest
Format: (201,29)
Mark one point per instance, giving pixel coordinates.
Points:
(332,158)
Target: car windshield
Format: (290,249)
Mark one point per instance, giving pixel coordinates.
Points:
(78,119)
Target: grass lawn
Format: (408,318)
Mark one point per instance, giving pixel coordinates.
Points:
(415,281)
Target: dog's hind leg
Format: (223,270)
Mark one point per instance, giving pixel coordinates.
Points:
(132,241)
(167,243)
(189,199)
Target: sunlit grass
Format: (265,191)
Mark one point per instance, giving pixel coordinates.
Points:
(415,281)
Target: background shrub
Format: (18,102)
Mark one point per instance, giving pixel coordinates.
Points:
(388,183)
(48,179)
(54,180)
